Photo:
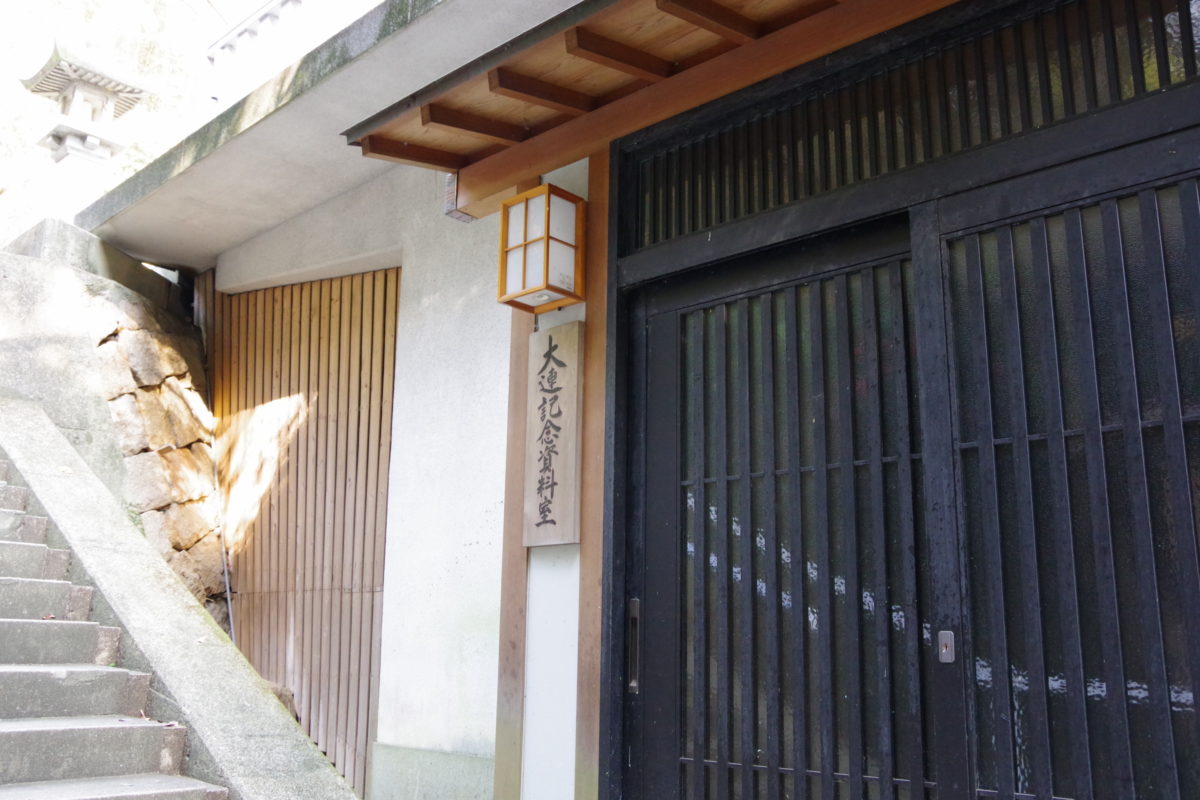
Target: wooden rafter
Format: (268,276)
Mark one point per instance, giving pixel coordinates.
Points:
(801,12)
(660,58)
(507,83)
(376,146)
(493,130)
(842,24)
(613,54)
(714,17)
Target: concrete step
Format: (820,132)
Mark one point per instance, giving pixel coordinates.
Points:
(17,526)
(14,498)
(120,787)
(59,748)
(5,471)
(36,641)
(68,690)
(31,598)
(25,560)
(135,787)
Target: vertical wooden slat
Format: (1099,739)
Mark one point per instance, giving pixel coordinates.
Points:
(303,684)
(823,589)
(850,637)
(373,367)
(742,529)
(347,687)
(1117,760)
(1141,536)
(990,604)
(695,392)
(1036,722)
(800,556)
(312,604)
(1187,36)
(294,571)
(309,575)
(353,745)
(877,526)
(259,375)
(325,471)
(346,379)
(1133,39)
(720,473)
(770,679)
(1058,486)
(385,445)
(277,544)
(331,328)
(910,728)
(1178,493)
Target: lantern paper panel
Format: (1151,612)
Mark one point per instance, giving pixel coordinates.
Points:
(541,257)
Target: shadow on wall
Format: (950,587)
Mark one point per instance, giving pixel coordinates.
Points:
(251,446)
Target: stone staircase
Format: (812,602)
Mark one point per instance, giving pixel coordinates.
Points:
(72,725)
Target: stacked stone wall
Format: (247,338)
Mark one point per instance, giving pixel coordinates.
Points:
(152,376)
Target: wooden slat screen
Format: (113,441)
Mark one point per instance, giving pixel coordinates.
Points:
(302,379)
(1030,67)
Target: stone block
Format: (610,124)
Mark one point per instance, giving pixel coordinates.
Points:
(148,483)
(185,426)
(127,422)
(154,524)
(155,420)
(191,349)
(180,526)
(203,453)
(195,401)
(200,567)
(191,476)
(113,376)
(152,357)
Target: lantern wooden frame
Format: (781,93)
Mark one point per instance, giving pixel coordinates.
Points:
(527,298)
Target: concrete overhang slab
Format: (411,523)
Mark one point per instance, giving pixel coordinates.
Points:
(278,152)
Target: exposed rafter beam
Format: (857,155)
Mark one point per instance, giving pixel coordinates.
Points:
(376,146)
(844,23)
(712,16)
(507,83)
(797,14)
(493,130)
(612,54)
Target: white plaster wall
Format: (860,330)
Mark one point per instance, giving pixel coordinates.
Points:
(551,657)
(442,574)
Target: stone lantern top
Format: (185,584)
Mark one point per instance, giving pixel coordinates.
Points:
(89,99)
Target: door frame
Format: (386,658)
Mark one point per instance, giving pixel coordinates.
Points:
(1149,137)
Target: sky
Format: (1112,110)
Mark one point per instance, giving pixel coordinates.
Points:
(158,45)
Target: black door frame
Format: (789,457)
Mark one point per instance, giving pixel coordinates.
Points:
(1140,140)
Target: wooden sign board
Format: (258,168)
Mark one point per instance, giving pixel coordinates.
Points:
(555,404)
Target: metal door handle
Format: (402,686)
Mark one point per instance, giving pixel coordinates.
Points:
(633,644)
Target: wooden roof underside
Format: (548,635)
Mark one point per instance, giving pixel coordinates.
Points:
(629,65)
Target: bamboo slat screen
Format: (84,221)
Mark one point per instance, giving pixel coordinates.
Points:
(302,380)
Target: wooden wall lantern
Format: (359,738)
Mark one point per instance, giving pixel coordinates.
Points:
(541,249)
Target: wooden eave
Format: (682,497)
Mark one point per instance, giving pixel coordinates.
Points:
(602,71)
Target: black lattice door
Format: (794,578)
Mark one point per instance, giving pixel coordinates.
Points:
(921,521)
(786,649)
(1076,372)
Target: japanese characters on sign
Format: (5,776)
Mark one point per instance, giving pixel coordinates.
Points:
(552,444)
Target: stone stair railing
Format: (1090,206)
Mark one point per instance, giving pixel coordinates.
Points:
(99,638)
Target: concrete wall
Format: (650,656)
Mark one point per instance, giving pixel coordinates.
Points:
(437,695)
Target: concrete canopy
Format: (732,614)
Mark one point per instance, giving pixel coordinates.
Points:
(279,152)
